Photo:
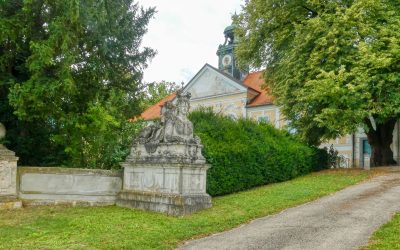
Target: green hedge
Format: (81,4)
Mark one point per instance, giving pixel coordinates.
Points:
(244,154)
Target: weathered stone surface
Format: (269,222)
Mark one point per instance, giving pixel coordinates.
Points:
(8,172)
(165,171)
(39,185)
(166,178)
(166,153)
(175,189)
(172,204)
(8,176)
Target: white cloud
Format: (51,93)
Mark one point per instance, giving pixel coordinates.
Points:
(186,34)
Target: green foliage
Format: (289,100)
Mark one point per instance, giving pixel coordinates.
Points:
(98,140)
(321,158)
(245,154)
(334,66)
(70,75)
(31,140)
(55,227)
(155,92)
(387,236)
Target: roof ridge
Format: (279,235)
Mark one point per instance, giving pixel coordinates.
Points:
(228,76)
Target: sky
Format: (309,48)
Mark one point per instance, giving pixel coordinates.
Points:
(186,35)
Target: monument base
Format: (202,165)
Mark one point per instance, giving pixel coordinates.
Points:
(171,204)
(9,202)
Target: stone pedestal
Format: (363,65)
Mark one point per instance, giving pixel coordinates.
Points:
(174,190)
(8,179)
(164,182)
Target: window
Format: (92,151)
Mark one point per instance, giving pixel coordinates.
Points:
(366,147)
(263,118)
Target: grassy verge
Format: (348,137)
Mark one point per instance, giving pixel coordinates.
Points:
(117,228)
(387,237)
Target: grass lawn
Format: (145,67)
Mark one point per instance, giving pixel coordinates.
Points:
(387,237)
(116,228)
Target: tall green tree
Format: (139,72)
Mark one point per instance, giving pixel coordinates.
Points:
(155,91)
(334,66)
(70,70)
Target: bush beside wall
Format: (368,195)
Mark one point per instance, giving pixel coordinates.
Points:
(244,154)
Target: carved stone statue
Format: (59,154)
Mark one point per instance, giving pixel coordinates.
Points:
(165,170)
(174,125)
(172,138)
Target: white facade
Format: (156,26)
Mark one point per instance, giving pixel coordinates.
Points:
(211,88)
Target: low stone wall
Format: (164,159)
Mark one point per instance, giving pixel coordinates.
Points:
(41,185)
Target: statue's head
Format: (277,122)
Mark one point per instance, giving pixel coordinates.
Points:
(183,108)
(166,110)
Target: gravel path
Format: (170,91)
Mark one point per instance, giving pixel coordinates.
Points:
(344,220)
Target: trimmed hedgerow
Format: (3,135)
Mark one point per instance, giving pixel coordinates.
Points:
(244,154)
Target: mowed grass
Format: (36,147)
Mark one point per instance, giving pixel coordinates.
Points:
(112,227)
(387,237)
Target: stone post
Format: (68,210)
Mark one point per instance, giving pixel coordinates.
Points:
(8,176)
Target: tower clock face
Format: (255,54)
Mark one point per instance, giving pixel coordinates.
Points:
(226,60)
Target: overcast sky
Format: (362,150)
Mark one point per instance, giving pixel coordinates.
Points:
(186,35)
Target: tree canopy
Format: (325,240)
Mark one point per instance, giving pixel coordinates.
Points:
(155,91)
(70,74)
(334,66)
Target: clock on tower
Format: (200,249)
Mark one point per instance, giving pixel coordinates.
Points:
(226,55)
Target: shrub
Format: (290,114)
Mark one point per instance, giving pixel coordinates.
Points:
(245,154)
(321,159)
(100,138)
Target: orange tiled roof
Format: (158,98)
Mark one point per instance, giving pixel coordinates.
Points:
(255,81)
(154,111)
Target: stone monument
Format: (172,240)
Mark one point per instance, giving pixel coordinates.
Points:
(165,171)
(8,175)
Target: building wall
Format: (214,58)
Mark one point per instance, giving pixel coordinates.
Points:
(235,105)
(210,83)
(269,112)
(344,146)
(351,147)
(230,105)
(39,185)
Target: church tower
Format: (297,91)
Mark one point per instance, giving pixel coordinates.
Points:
(226,55)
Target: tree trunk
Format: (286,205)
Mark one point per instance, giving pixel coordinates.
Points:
(380,141)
